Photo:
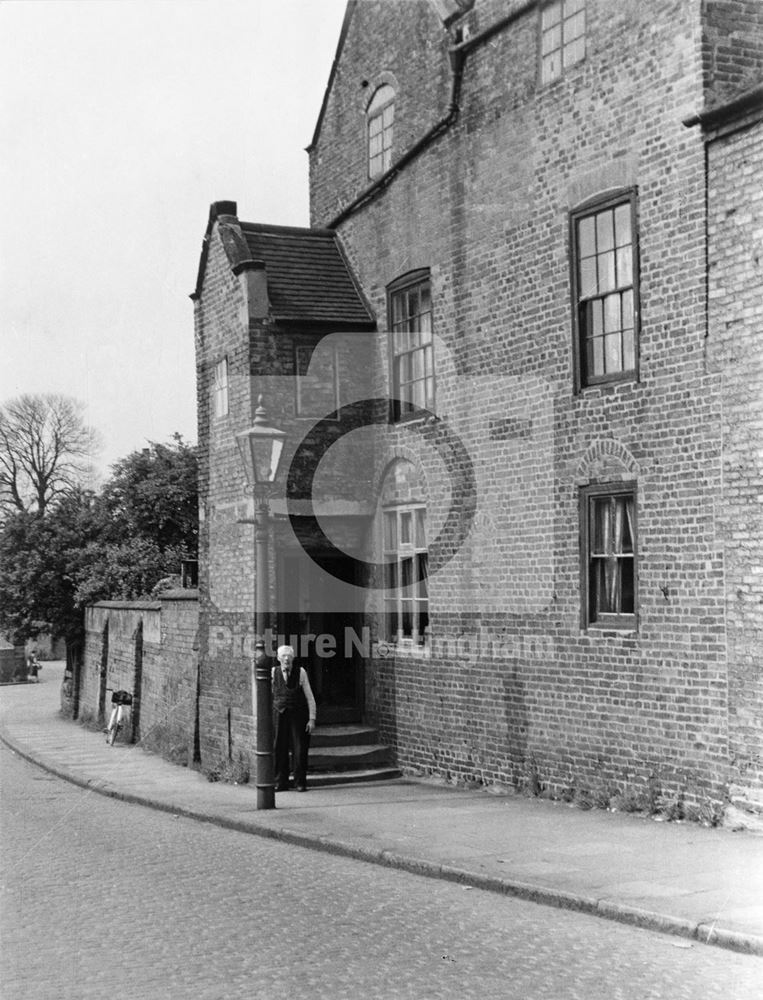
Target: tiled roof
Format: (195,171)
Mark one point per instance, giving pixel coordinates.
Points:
(309,279)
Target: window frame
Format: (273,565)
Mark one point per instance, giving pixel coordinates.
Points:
(394,556)
(590,209)
(605,621)
(220,388)
(402,286)
(564,69)
(386,131)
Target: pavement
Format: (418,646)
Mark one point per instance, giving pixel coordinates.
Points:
(700,883)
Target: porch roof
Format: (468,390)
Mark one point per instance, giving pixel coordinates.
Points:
(309,279)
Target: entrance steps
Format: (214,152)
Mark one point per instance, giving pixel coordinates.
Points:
(344,754)
(745,809)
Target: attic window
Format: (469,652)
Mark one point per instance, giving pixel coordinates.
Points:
(380,116)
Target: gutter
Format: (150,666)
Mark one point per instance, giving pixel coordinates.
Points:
(751,100)
(457,54)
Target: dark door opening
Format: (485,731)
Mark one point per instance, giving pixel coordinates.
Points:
(329,643)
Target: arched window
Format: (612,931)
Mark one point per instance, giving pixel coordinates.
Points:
(381,118)
(405,552)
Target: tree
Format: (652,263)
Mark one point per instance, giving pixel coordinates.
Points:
(89,547)
(153,494)
(40,558)
(45,451)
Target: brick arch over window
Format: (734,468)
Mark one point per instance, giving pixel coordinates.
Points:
(606,461)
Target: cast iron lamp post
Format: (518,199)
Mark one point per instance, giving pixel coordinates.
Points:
(261,448)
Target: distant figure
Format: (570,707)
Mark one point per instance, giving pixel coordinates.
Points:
(293,719)
(33,668)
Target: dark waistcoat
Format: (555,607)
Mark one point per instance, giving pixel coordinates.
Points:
(288,695)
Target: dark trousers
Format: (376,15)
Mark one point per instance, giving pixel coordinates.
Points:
(289,731)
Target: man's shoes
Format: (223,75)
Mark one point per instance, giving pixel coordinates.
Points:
(301,788)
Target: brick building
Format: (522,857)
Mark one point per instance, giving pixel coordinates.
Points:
(518,359)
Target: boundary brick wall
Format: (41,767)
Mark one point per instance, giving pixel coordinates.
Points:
(522,694)
(149,649)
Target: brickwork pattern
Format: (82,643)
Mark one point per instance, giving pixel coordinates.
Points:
(163,635)
(526,696)
(735,349)
(732,48)
(514,689)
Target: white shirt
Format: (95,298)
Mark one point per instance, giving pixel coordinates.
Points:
(304,683)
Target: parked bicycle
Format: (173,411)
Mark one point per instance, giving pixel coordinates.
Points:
(120,714)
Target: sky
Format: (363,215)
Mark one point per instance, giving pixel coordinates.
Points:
(121,122)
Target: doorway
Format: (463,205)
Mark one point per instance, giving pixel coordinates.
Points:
(328,642)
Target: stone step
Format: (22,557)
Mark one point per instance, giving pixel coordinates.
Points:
(319,779)
(343,735)
(340,758)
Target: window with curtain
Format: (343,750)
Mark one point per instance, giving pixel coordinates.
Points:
(407,587)
(609,578)
(380,116)
(410,308)
(605,289)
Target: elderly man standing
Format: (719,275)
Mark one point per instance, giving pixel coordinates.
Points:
(293,719)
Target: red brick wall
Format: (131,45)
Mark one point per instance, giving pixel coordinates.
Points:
(225,545)
(735,166)
(732,47)
(486,207)
(160,638)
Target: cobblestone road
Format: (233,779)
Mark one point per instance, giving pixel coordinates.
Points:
(103,899)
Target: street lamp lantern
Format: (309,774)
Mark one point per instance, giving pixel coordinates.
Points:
(261,447)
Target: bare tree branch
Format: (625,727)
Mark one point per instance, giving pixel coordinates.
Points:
(45,450)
